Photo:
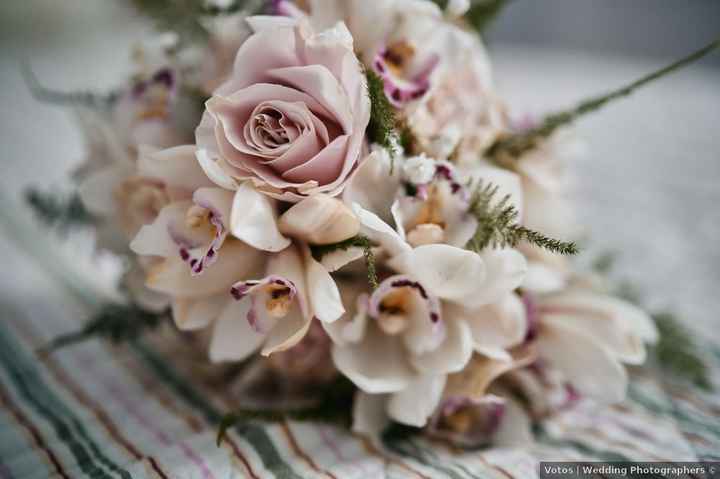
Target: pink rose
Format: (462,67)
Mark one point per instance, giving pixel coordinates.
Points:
(292,115)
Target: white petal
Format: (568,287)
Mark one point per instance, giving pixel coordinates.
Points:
(618,325)
(218,200)
(505,272)
(155,239)
(414,404)
(259,23)
(452,355)
(287,332)
(176,166)
(369,416)
(372,186)
(172,276)
(379,231)
(589,366)
(324,295)
(233,339)
(254,220)
(376,365)
(335,260)
(515,427)
(350,329)
(446,271)
(192,314)
(214,171)
(501,325)
(97,190)
(542,279)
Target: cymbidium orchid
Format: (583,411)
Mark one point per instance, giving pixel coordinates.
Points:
(338,131)
(589,336)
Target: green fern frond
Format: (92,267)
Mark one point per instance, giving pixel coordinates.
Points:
(117,322)
(332,407)
(382,126)
(483,12)
(358,241)
(57,211)
(515,145)
(498,227)
(677,351)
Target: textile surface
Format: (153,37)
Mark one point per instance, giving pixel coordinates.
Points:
(140,411)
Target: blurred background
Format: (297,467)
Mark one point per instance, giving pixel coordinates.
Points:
(648,187)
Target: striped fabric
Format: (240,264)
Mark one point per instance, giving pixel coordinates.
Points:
(98,411)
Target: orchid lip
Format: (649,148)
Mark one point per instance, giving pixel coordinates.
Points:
(199,264)
(399,91)
(281,293)
(398,282)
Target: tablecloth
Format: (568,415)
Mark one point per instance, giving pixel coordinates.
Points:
(138,411)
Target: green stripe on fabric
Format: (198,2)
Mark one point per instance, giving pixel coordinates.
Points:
(542,436)
(254,434)
(29,383)
(666,406)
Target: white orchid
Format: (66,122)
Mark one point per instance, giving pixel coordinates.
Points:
(415,328)
(214,242)
(588,337)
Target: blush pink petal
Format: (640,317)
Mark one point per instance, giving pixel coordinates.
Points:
(324,166)
(263,51)
(319,83)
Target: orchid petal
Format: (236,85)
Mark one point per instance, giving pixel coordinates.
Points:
(450,273)
(233,338)
(376,365)
(585,362)
(414,404)
(254,220)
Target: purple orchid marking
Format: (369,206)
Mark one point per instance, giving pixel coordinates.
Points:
(397,282)
(399,91)
(198,265)
(447,173)
(278,286)
(532,315)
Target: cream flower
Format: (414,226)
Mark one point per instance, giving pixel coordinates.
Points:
(414,329)
(588,337)
(292,116)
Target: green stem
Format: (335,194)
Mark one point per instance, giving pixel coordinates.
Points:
(515,145)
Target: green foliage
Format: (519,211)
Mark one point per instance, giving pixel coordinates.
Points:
(483,12)
(185,16)
(381,128)
(59,212)
(358,241)
(332,407)
(677,351)
(74,98)
(514,145)
(497,225)
(117,322)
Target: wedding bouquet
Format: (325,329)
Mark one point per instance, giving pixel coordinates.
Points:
(332,191)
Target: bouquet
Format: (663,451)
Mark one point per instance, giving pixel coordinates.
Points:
(332,194)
